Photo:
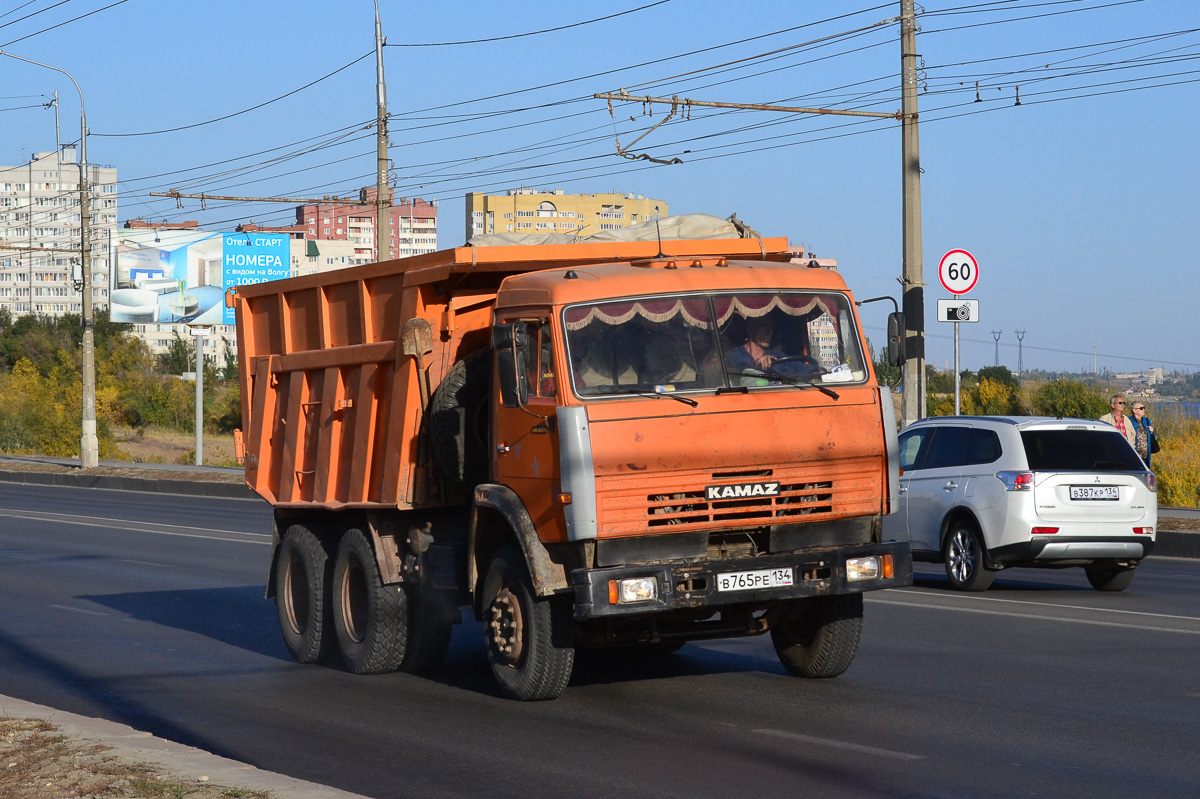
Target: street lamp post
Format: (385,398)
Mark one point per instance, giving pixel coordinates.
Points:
(88,442)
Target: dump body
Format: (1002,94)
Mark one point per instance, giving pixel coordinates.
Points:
(330,402)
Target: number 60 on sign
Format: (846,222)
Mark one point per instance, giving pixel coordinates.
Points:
(958,271)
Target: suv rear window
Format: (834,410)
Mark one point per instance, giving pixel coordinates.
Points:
(1080,450)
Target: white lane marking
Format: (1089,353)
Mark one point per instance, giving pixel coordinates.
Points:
(148,527)
(986,612)
(815,741)
(79,610)
(1043,604)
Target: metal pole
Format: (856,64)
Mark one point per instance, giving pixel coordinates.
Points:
(199,333)
(957,375)
(88,442)
(913,405)
(383,238)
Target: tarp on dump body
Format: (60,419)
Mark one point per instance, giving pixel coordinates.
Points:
(682,226)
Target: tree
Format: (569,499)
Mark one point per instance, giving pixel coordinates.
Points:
(999,374)
(180,356)
(1069,398)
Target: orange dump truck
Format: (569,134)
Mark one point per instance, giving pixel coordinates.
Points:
(591,445)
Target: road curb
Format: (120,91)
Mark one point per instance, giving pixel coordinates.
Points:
(196,488)
(183,762)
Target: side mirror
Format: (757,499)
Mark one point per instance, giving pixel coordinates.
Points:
(895,339)
(510,340)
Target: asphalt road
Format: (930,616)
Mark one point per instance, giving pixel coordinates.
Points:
(149,610)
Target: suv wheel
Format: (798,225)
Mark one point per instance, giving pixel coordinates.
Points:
(963,552)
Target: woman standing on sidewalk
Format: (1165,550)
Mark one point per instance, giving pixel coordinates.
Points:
(1145,441)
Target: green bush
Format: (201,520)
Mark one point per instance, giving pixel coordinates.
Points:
(1069,398)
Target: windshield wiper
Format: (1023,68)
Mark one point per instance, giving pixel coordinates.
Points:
(795,381)
(633,392)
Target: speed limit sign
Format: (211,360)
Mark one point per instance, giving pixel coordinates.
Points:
(958,271)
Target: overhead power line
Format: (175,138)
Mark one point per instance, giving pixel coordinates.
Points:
(244,110)
(528,33)
(67,22)
(30,14)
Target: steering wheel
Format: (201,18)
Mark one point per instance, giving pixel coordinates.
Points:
(807,360)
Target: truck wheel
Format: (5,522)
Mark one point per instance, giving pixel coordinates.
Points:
(302,596)
(430,624)
(963,552)
(457,421)
(1116,578)
(818,637)
(371,618)
(529,639)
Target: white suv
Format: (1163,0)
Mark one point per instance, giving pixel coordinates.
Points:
(984,493)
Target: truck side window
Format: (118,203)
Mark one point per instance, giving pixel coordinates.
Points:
(539,359)
(546,381)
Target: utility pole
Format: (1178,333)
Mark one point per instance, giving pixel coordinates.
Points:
(913,403)
(1020,351)
(89,443)
(996,335)
(383,237)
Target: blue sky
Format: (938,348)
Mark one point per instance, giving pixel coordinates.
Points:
(1079,204)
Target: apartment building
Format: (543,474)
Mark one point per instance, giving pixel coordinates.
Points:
(554,211)
(40,226)
(413,224)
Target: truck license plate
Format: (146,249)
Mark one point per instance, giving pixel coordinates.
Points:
(1094,492)
(746,581)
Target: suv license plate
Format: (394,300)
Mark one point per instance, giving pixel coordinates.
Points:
(1094,492)
(747,581)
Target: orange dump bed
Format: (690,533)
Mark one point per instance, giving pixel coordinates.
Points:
(331,400)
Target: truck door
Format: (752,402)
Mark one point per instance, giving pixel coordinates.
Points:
(525,442)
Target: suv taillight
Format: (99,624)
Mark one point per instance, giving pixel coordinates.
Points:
(1151,482)
(1016,481)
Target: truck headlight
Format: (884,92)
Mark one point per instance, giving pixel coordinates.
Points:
(867,568)
(633,589)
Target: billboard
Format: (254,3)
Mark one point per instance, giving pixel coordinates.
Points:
(168,277)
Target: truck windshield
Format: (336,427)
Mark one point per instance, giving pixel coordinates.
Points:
(708,342)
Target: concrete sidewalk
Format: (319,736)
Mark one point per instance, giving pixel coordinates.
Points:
(183,763)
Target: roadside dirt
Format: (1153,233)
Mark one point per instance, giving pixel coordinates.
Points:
(164,446)
(38,762)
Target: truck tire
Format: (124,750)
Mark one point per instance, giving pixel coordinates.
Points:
(457,421)
(963,553)
(303,579)
(430,624)
(1116,578)
(818,637)
(529,639)
(371,618)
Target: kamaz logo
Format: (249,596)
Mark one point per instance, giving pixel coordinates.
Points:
(743,491)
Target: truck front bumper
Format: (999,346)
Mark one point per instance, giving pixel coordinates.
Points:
(694,584)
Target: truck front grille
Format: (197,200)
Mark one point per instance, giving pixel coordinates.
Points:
(680,504)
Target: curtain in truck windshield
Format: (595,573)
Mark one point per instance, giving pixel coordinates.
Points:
(706,342)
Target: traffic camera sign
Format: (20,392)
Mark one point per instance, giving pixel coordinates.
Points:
(958,271)
(958,310)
